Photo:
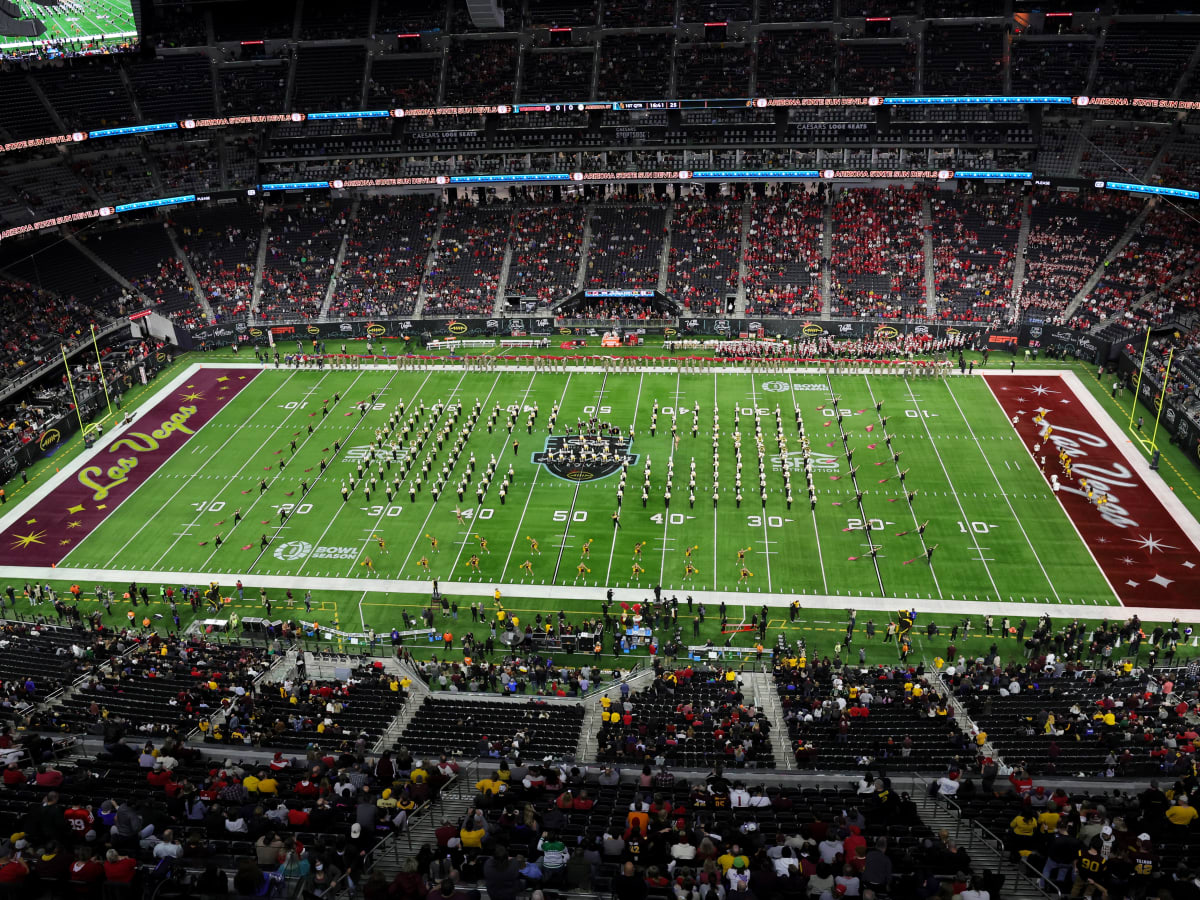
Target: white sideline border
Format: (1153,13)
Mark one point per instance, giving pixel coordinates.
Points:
(1172,503)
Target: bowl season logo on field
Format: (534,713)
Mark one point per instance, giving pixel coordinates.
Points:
(290,551)
(574,458)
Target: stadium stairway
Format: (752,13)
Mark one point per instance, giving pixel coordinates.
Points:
(429,258)
(826,255)
(331,288)
(927,244)
(664,259)
(585,247)
(505,267)
(1019,266)
(747,215)
(1147,297)
(191,273)
(1113,251)
(761,685)
(260,260)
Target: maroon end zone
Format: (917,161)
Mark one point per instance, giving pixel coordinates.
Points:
(45,534)
(1148,558)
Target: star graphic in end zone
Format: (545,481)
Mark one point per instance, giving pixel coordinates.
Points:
(1159,580)
(1188,564)
(74,524)
(75,509)
(1041,390)
(1150,543)
(1041,410)
(1128,560)
(21,541)
(194,395)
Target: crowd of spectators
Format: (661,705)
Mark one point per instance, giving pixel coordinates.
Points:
(783,253)
(963,54)
(302,248)
(883,69)
(626,248)
(556,75)
(222,246)
(1120,153)
(974,249)
(1144,59)
(1163,248)
(703,264)
(546,246)
(1069,235)
(878,255)
(387,247)
(1053,67)
(467,258)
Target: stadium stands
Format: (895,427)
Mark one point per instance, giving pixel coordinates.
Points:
(783,254)
(703,264)
(302,247)
(1068,236)
(974,250)
(546,246)
(222,245)
(878,261)
(174,87)
(635,65)
(1144,59)
(481,71)
(877,68)
(712,71)
(557,74)
(468,256)
(477,728)
(626,245)
(329,77)
(794,63)
(386,249)
(955,54)
(144,255)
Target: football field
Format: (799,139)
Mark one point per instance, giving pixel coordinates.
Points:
(259,457)
(75,21)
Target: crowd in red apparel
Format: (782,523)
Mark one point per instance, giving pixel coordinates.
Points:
(1068,237)
(974,249)
(302,247)
(794,63)
(1164,247)
(626,245)
(222,246)
(878,258)
(469,253)
(386,250)
(546,245)
(702,266)
(481,72)
(168,287)
(783,254)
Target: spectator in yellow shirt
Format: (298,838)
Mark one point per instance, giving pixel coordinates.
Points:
(473,831)
(490,785)
(251,783)
(267,784)
(1182,813)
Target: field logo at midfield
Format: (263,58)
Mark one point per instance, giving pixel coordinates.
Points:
(774,387)
(290,551)
(585,469)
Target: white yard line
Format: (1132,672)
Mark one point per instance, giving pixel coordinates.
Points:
(757,452)
(274,478)
(233,434)
(962,512)
(662,568)
(467,534)
(716,405)
(816,530)
(532,487)
(1003,493)
(613,550)
(228,481)
(911,511)
(575,496)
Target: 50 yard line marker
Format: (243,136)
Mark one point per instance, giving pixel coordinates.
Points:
(575,496)
(613,551)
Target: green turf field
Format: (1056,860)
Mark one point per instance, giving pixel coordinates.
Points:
(988,511)
(73,21)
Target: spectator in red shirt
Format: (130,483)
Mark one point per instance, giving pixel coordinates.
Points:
(86,869)
(48,777)
(119,869)
(158,776)
(13,775)
(12,871)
